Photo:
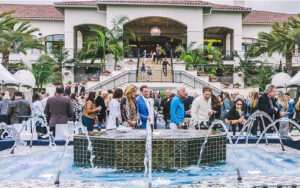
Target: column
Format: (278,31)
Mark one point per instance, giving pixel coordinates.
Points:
(195,35)
(228,44)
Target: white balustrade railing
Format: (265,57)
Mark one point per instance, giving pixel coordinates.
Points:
(129,76)
(115,81)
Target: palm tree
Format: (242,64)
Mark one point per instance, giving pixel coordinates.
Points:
(282,39)
(200,56)
(107,41)
(16,35)
(117,29)
(295,35)
(256,72)
(116,49)
(96,46)
(59,58)
(5,20)
(43,70)
(115,39)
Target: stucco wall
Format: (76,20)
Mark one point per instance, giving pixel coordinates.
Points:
(79,16)
(48,27)
(228,20)
(191,17)
(251,31)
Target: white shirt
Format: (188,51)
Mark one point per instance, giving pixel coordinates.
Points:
(200,109)
(114,113)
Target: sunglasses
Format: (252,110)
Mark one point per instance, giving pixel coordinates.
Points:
(239,104)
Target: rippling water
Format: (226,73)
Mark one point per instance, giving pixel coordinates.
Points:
(258,164)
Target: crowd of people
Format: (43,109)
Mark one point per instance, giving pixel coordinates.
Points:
(138,107)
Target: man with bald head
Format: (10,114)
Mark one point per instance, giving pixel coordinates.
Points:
(177,111)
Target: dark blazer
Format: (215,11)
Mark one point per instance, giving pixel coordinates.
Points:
(102,113)
(166,104)
(233,114)
(265,106)
(17,108)
(58,110)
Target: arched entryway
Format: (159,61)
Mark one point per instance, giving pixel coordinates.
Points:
(83,34)
(86,69)
(150,31)
(153,41)
(220,37)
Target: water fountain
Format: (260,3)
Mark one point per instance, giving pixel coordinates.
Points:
(133,151)
(273,125)
(17,137)
(211,127)
(171,149)
(257,115)
(148,154)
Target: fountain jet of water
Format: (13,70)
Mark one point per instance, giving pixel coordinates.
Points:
(249,124)
(17,137)
(148,154)
(277,131)
(57,180)
(216,122)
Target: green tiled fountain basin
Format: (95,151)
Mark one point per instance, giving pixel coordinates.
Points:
(171,149)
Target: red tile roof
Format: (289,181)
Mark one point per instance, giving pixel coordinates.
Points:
(49,12)
(192,3)
(265,17)
(33,12)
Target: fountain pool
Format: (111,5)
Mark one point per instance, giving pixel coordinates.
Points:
(259,165)
(171,149)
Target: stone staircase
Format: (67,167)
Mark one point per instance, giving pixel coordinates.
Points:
(128,75)
(157,72)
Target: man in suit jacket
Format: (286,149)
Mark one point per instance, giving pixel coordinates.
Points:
(267,104)
(102,113)
(166,104)
(143,106)
(58,109)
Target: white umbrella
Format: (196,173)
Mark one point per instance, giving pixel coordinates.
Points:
(295,81)
(6,78)
(280,80)
(26,78)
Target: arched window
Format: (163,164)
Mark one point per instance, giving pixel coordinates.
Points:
(54,42)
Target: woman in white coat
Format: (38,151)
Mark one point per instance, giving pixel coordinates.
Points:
(114,117)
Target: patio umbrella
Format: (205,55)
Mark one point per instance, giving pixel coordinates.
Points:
(280,80)
(26,78)
(6,78)
(295,81)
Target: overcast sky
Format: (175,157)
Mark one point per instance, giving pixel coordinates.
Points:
(288,6)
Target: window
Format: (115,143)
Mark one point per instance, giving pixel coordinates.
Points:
(54,42)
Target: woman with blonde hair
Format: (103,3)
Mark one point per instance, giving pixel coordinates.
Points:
(297,111)
(128,106)
(253,101)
